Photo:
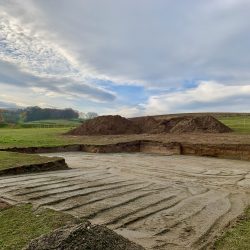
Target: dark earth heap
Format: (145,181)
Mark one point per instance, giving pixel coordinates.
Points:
(117,125)
(83,236)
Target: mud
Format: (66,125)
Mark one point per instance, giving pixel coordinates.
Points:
(157,201)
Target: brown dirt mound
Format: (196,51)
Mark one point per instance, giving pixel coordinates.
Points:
(83,237)
(181,124)
(191,124)
(114,125)
(149,125)
(107,125)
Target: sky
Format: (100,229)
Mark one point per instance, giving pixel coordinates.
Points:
(132,58)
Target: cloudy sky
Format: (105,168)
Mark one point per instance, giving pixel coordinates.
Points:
(128,57)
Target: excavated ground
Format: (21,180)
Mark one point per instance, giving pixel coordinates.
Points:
(160,202)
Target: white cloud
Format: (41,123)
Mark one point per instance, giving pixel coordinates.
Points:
(32,53)
(15,96)
(207,96)
(8,105)
(43,63)
(152,43)
(125,111)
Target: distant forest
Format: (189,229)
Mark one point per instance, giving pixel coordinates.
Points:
(36,113)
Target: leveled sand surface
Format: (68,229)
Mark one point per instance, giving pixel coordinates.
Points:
(160,202)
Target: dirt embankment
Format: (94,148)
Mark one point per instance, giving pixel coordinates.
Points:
(52,165)
(49,149)
(228,150)
(115,125)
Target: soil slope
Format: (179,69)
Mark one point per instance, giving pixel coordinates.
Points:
(106,125)
(188,124)
(149,125)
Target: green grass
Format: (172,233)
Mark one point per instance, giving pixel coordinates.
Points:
(240,124)
(33,137)
(53,123)
(12,159)
(238,237)
(20,224)
(56,121)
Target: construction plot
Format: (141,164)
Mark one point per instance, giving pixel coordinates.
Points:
(159,202)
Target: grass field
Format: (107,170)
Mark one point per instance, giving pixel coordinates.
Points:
(52,123)
(29,137)
(20,224)
(238,237)
(56,123)
(240,124)
(12,159)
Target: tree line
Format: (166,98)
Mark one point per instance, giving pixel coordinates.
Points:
(36,113)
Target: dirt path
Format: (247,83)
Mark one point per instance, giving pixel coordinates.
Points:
(160,202)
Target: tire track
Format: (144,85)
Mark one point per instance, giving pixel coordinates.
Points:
(74,188)
(102,198)
(59,199)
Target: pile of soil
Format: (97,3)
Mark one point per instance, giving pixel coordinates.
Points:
(82,237)
(106,125)
(114,125)
(149,125)
(192,124)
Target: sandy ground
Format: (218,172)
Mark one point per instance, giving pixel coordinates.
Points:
(160,202)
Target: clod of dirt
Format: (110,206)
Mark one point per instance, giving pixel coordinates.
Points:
(4,205)
(107,125)
(82,237)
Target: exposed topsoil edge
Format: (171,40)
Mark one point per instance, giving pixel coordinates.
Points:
(229,151)
(117,125)
(52,165)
